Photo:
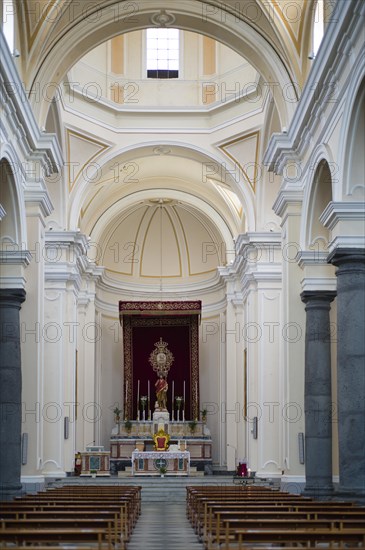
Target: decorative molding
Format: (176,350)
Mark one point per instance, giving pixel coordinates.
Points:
(13,283)
(35,145)
(342,211)
(306,258)
(15,257)
(224,147)
(163,19)
(313,284)
(41,198)
(286,198)
(346,242)
(326,72)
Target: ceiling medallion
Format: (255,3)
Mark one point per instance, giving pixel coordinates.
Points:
(163,19)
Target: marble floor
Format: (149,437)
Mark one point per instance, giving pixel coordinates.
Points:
(163,526)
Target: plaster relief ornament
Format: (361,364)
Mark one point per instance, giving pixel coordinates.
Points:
(161,358)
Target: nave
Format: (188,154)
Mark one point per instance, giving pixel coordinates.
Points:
(207,513)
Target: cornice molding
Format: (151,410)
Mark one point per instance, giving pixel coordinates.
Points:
(345,243)
(41,198)
(288,198)
(327,70)
(314,284)
(306,258)
(36,145)
(15,257)
(342,211)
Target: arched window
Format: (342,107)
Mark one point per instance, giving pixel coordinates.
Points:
(318,27)
(8,23)
(162,53)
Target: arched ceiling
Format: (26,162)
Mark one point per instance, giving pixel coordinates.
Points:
(267,33)
(162,241)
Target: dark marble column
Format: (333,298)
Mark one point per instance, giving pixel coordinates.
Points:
(318,397)
(10,392)
(351,368)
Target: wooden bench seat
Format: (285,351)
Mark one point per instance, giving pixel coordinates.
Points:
(227,527)
(21,536)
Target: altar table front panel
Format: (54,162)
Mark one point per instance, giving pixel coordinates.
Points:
(147,463)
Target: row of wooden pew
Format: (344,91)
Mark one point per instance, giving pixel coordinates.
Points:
(101,516)
(238,517)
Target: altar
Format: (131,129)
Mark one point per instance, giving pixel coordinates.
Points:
(152,463)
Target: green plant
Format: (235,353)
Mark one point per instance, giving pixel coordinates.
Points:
(204,413)
(163,470)
(128,425)
(192,425)
(93,472)
(117,412)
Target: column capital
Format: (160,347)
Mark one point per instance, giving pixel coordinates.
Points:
(318,296)
(344,256)
(12,297)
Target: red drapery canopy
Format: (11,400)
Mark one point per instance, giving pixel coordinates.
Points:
(144,323)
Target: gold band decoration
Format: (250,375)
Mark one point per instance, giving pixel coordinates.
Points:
(161,358)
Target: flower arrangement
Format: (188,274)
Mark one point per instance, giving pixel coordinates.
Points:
(117,412)
(192,425)
(127,425)
(143,401)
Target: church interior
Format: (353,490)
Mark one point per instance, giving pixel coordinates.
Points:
(182,257)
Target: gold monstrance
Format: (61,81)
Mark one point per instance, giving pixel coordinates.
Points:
(161,358)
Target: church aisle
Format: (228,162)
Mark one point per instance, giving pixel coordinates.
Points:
(163,526)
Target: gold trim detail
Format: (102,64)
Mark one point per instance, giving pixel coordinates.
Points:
(103,147)
(238,140)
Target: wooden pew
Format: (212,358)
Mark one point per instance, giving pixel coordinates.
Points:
(21,536)
(228,526)
(78,514)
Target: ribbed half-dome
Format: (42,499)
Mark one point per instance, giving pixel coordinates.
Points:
(163,238)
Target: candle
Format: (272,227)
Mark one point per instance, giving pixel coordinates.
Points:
(148,399)
(173,400)
(126,399)
(138,398)
(184,403)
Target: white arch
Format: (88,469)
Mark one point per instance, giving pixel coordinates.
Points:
(232,31)
(355,82)
(321,153)
(243,191)
(9,155)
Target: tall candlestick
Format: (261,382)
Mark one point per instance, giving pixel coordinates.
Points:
(138,399)
(172,407)
(148,399)
(126,399)
(184,403)
(197,401)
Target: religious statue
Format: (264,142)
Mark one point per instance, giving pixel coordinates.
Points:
(161,386)
(161,360)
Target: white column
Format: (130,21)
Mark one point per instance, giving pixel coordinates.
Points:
(260,274)
(32,323)
(89,333)
(231,405)
(65,254)
(292,334)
